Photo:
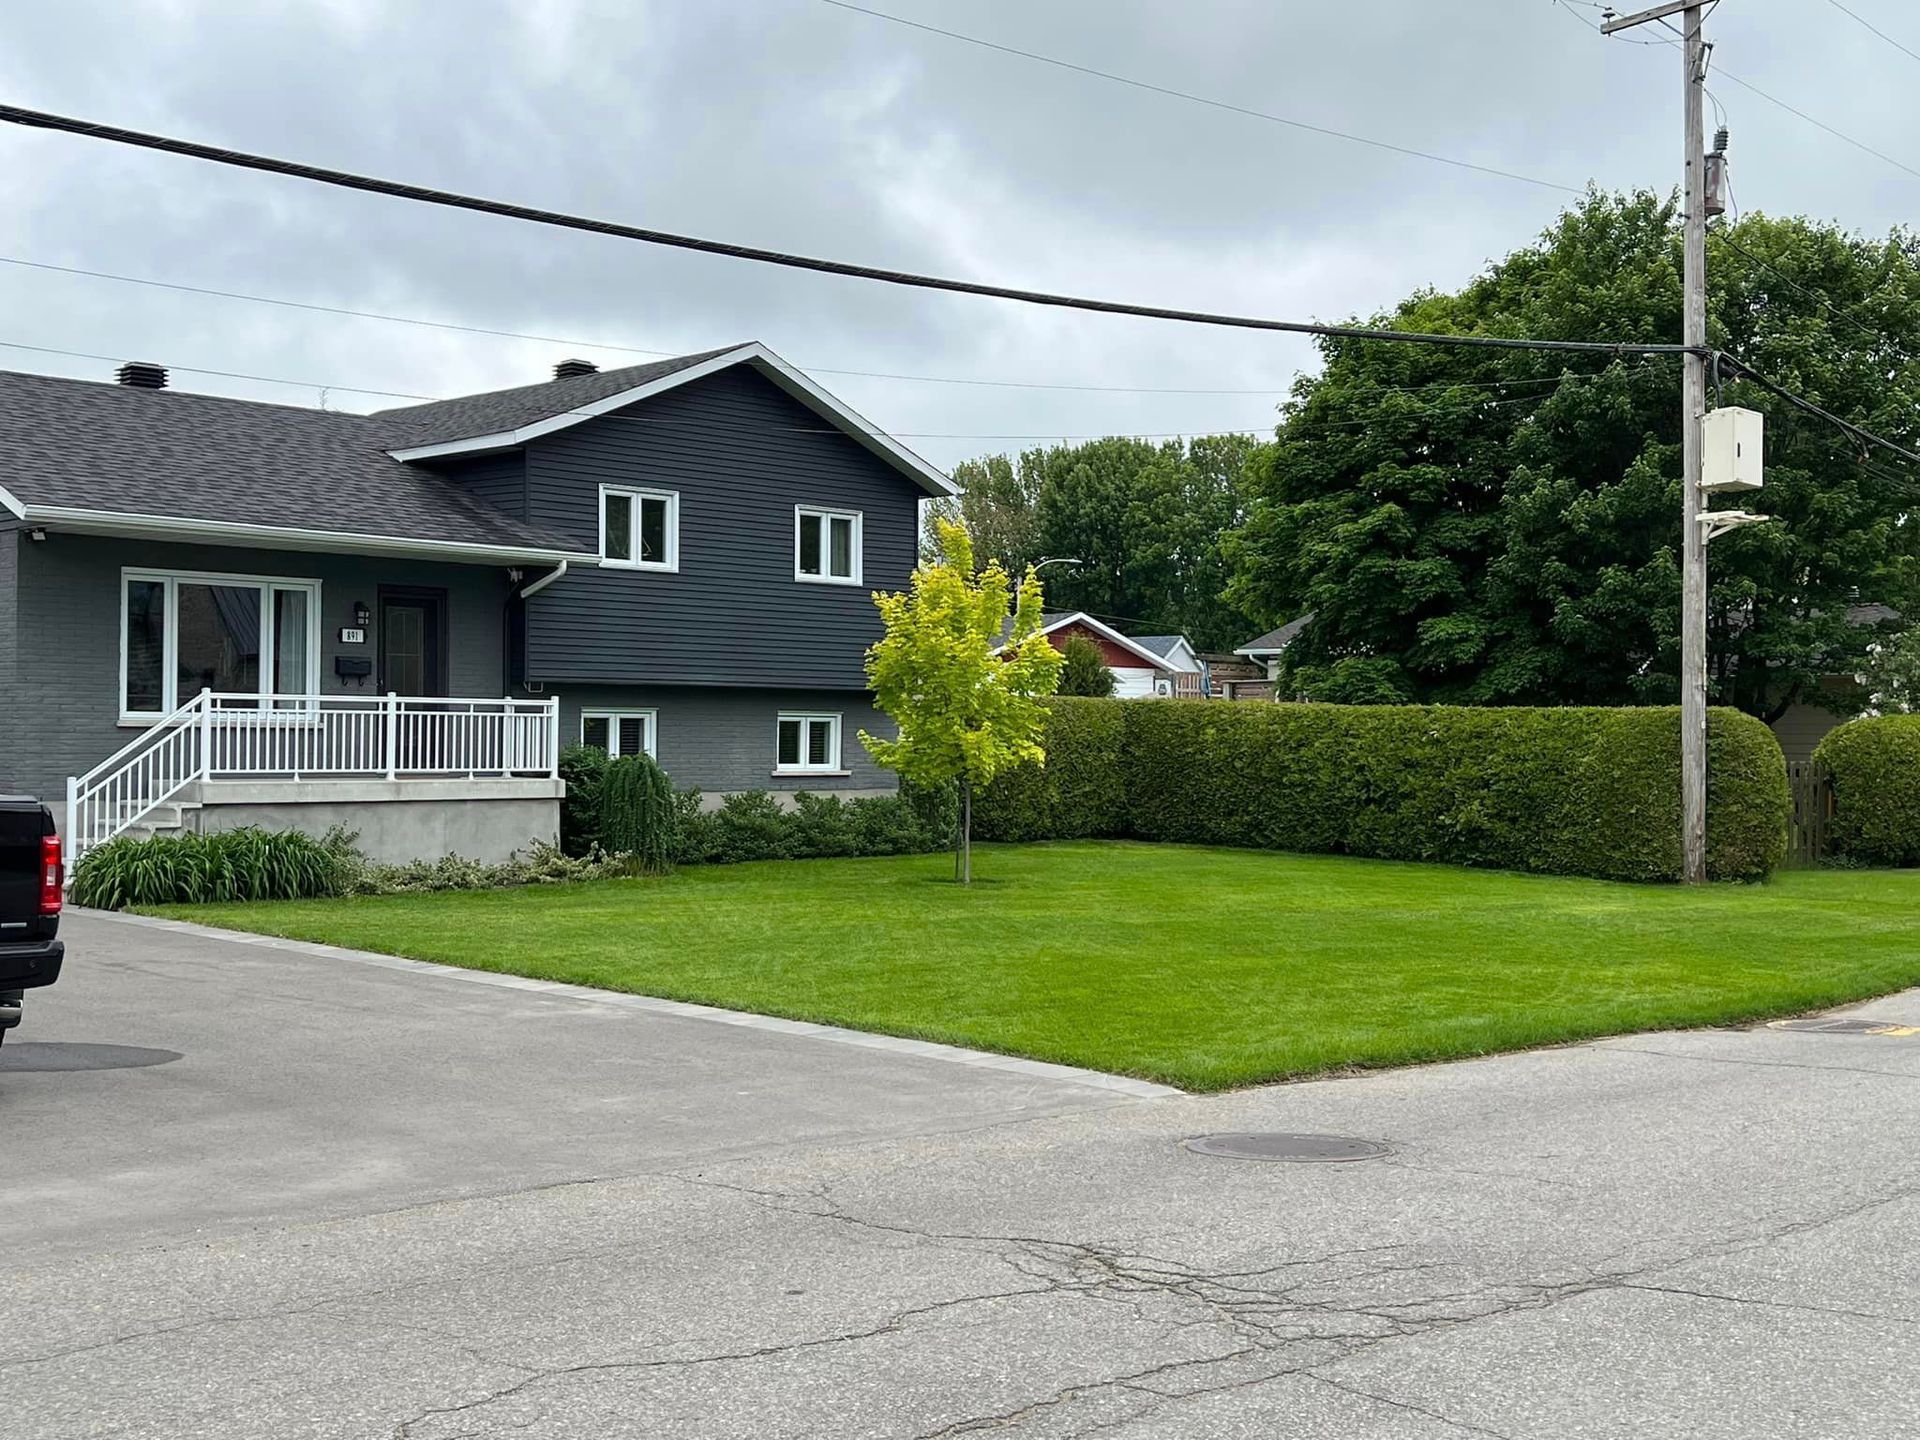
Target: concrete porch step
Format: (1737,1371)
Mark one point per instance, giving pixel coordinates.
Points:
(167,819)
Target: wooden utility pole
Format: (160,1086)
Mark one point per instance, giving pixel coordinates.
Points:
(1693,405)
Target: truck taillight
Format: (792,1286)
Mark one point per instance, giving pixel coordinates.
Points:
(53,874)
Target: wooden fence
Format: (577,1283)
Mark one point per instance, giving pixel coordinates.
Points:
(1810,826)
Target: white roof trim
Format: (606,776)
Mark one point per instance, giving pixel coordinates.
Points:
(793,381)
(1254,653)
(11,505)
(288,537)
(1107,632)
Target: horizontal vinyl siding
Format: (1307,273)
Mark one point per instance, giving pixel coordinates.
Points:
(1802,728)
(499,480)
(65,719)
(722,741)
(741,453)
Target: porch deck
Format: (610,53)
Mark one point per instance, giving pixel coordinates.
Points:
(309,761)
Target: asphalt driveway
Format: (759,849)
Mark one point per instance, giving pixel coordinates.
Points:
(369,1200)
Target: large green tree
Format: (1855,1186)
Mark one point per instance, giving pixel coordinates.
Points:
(1145,520)
(1493,526)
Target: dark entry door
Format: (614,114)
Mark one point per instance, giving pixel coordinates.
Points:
(413,642)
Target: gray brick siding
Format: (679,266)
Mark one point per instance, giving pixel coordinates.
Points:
(68,637)
(722,740)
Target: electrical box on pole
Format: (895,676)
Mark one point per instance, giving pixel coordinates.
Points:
(1731,450)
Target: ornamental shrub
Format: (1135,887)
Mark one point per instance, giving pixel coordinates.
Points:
(1085,670)
(1875,766)
(1571,791)
(193,868)
(637,813)
(751,826)
(583,768)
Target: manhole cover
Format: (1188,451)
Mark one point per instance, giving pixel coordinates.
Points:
(17,1057)
(1310,1149)
(1839,1026)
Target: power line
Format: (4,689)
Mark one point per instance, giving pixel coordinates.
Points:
(602,344)
(1194,99)
(1771,99)
(1801,402)
(1862,20)
(223,374)
(90,129)
(1826,304)
(1841,135)
(1276,391)
(1294,426)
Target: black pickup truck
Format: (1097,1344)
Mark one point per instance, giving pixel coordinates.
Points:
(31,878)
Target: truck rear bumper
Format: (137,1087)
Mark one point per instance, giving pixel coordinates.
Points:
(26,967)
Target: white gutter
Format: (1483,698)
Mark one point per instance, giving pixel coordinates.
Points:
(11,505)
(545,580)
(288,537)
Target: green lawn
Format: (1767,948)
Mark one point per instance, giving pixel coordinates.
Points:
(1204,968)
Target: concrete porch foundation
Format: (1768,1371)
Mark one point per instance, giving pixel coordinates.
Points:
(397,820)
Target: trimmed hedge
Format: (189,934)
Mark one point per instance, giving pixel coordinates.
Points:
(1875,766)
(1561,791)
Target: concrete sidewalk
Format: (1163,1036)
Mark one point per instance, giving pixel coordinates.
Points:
(1706,1234)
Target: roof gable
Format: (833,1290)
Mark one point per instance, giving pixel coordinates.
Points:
(1056,620)
(507,419)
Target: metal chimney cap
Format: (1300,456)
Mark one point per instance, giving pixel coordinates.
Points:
(568,369)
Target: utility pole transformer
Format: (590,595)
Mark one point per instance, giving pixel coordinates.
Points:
(1693,404)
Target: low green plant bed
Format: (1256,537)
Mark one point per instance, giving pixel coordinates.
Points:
(1206,968)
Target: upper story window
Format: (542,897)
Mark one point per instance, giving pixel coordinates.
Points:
(619,732)
(826,545)
(183,631)
(807,743)
(639,529)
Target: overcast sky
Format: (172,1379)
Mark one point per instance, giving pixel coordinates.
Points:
(796,125)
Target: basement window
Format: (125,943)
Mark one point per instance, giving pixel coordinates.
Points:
(807,744)
(639,529)
(619,732)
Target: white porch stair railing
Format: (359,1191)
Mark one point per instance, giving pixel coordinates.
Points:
(217,736)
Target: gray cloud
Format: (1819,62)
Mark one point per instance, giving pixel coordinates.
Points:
(792,124)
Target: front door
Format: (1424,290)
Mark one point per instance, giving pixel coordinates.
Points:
(413,642)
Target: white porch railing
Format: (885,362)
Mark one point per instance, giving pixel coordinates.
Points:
(299,737)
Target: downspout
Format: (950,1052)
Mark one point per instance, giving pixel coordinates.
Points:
(545,580)
(506,623)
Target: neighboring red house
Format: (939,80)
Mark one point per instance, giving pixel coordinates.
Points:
(1137,671)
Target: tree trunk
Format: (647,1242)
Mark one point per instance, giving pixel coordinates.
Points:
(964,856)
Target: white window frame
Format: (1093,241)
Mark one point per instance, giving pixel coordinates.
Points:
(171,699)
(638,494)
(613,719)
(827,515)
(807,719)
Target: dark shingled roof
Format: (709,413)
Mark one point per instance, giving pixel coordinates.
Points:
(1277,639)
(1161,645)
(466,416)
(86,445)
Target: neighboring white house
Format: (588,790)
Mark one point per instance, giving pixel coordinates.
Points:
(1268,648)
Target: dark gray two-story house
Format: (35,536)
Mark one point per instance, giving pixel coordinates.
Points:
(217,612)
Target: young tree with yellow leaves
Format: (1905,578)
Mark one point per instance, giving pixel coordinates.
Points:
(966,692)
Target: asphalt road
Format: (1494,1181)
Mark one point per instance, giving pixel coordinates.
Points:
(375,1201)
